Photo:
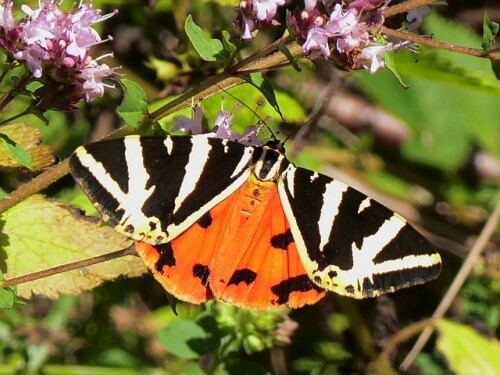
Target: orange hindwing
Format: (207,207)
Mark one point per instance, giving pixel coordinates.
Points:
(241,252)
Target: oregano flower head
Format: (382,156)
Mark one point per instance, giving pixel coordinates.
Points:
(55,45)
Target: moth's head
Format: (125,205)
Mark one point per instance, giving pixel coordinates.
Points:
(275,144)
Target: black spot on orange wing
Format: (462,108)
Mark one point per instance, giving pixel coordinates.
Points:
(205,221)
(282,240)
(166,256)
(301,283)
(202,272)
(246,276)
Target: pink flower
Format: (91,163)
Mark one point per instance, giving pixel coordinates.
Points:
(415,17)
(6,18)
(317,38)
(365,5)
(223,125)
(373,56)
(56,44)
(265,10)
(255,13)
(221,130)
(192,125)
(92,75)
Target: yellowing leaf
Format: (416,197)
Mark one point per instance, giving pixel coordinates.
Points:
(39,234)
(29,139)
(466,351)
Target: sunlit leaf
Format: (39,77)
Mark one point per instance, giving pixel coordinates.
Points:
(466,351)
(135,104)
(6,299)
(21,145)
(39,234)
(208,48)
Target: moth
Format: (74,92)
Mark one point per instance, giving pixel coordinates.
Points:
(215,218)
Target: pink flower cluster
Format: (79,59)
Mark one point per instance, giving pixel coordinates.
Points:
(221,130)
(55,45)
(344,31)
(257,13)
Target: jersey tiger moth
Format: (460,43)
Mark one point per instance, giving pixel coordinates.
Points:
(215,218)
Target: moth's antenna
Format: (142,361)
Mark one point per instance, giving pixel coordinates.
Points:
(261,120)
(243,104)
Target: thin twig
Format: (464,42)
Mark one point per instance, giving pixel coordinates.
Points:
(481,242)
(306,130)
(478,52)
(406,6)
(67,267)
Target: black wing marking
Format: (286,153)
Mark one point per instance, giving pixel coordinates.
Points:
(153,188)
(349,243)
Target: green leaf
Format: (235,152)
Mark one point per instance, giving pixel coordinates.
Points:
(285,51)
(17,152)
(209,49)
(228,45)
(135,104)
(490,32)
(391,65)
(6,298)
(21,145)
(466,351)
(39,234)
(186,339)
(261,82)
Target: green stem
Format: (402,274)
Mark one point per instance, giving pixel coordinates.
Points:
(24,113)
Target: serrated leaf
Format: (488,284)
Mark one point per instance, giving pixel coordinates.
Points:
(208,48)
(39,234)
(261,82)
(6,299)
(490,32)
(21,146)
(135,104)
(186,339)
(466,351)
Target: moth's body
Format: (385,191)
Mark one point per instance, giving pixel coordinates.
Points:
(243,224)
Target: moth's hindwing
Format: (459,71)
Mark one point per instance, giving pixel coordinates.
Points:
(349,243)
(241,252)
(151,188)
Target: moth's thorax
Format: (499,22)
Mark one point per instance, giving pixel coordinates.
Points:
(255,191)
(270,165)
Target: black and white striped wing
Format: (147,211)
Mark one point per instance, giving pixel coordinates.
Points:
(151,188)
(349,243)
